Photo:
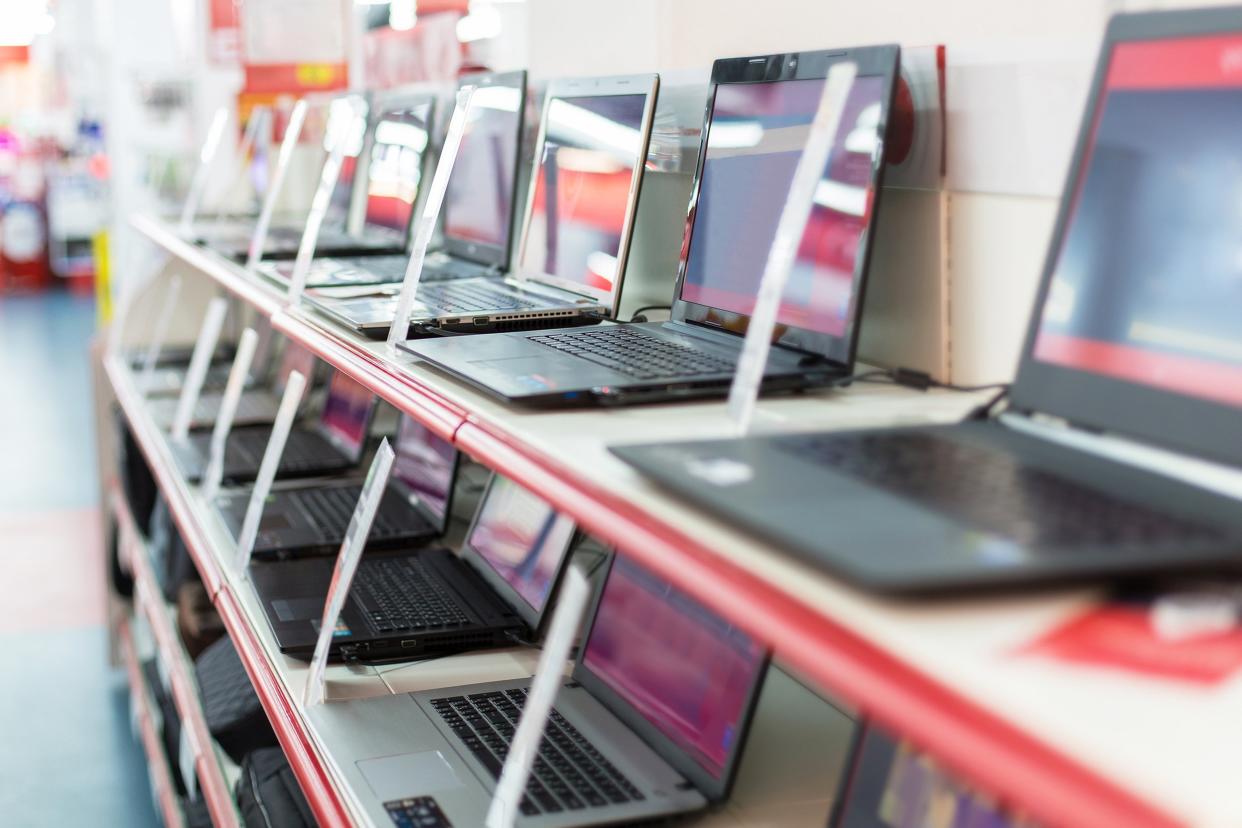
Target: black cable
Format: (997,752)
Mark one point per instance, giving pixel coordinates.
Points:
(639,311)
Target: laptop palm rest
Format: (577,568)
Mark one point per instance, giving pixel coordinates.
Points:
(409,774)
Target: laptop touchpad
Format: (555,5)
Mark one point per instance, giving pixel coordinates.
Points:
(408,774)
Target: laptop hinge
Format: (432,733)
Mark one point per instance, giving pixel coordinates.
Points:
(1206,474)
(713,333)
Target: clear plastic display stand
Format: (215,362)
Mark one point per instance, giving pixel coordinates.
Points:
(284,158)
(200,361)
(246,346)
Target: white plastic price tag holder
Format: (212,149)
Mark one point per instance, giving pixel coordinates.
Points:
(246,346)
(744,391)
(426,226)
(320,203)
(129,290)
(346,565)
(549,676)
(206,162)
(258,126)
(172,295)
(285,415)
(200,361)
(186,756)
(283,159)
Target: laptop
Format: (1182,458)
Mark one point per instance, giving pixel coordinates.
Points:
(255,405)
(430,602)
(478,205)
(1133,348)
(889,783)
(332,446)
(303,519)
(589,161)
(396,155)
(345,121)
(652,723)
(758,118)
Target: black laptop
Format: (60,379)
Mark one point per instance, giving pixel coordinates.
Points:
(332,446)
(431,602)
(758,117)
(302,519)
(478,205)
(1134,348)
(396,153)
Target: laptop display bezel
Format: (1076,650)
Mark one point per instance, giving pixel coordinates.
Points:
(1094,401)
(472,249)
(882,61)
(643,84)
(384,104)
(714,788)
(419,504)
(533,618)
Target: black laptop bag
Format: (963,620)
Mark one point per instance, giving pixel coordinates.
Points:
(234,714)
(268,795)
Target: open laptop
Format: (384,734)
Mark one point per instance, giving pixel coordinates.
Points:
(333,445)
(431,602)
(478,206)
(1133,349)
(758,118)
(257,404)
(889,783)
(302,519)
(396,153)
(589,161)
(652,723)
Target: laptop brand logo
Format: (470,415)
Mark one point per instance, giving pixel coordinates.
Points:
(720,471)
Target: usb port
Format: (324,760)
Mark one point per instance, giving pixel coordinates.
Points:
(409,642)
(480,320)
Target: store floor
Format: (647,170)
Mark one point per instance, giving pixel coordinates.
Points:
(66,754)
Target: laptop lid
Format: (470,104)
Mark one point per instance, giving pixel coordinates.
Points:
(1135,324)
(346,415)
(425,468)
(344,120)
(479,203)
(519,544)
(759,113)
(680,676)
(394,170)
(589,161)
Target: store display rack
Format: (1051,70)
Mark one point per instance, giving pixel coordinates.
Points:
(1063,743)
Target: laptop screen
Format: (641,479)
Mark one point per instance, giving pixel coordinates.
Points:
(424,464)
(522,539)
(478,205)
(346,414)
(893,786)
(581,189)
(1147,280)
(756,133)
(395,169)
(685,670)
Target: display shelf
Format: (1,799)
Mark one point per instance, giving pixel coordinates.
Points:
(216,791)
(157,762)
(1056,740)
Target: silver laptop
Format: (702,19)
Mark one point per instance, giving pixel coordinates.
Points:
(378,201)
(478,209)
(584,188)
(652,723)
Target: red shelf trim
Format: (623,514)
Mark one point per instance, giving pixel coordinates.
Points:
(283,714)
(981,746)
(150,741)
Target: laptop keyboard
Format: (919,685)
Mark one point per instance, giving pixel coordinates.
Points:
(398,594)
(330,508)
(472,298)
(636,354)
(992,490)
(298,455)
(570,774)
